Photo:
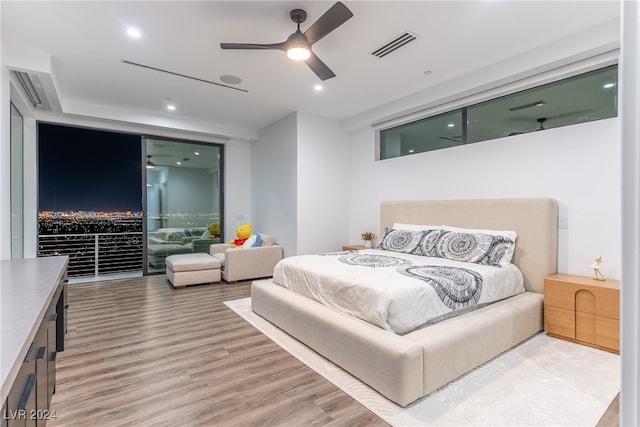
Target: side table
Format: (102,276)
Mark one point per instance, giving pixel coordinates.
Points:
(353,247)
(583,310)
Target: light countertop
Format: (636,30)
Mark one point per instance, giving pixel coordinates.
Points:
(26,289)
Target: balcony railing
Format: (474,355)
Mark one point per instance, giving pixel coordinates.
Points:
(95,254)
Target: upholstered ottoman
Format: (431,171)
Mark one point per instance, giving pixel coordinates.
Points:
(191,269)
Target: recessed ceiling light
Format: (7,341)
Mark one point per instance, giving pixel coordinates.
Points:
(609,85)
(450,125)
(318,88)
(197,153)
(411,151)
(171,107)
(178,163)
(134,32)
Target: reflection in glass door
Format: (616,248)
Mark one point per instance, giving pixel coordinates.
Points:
(184,199)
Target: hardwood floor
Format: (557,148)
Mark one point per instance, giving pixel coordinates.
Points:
(611,417)
(139,352)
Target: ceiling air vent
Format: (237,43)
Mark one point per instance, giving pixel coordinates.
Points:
(394,44)
(33,89)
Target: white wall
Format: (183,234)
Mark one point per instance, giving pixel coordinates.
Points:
(5,159)
(578,165)
(30,176)
(300,190)
(237,186)
(274,182)
(30,198)
(323,193)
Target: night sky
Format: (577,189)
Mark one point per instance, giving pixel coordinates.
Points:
(88,170)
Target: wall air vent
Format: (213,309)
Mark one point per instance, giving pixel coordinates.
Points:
(395,44)
(32,87)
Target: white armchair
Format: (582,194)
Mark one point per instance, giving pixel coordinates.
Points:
(247,263)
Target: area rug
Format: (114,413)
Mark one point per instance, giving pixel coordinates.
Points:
(542,382)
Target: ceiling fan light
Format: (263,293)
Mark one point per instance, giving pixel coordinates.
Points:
(298,53)
(297,46)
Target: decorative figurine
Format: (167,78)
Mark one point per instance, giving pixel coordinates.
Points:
(596,269)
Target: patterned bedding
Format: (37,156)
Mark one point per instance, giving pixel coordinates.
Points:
(397,291)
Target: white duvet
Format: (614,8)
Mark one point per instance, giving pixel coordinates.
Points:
(396,291)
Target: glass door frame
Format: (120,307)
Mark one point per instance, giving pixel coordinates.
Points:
(144,158)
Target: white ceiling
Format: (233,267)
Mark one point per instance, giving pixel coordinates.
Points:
(87,41)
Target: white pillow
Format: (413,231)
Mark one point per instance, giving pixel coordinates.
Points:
(268,240)
(415,227)
(505,233)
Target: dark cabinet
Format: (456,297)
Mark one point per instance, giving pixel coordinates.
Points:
(51,354)
(21,402)
(42,376)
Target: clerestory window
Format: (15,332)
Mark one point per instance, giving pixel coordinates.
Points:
(579,99)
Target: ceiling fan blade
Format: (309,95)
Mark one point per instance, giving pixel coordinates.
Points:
(337,15)
(319,67)
(276,46)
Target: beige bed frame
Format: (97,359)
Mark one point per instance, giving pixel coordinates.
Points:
(405,368)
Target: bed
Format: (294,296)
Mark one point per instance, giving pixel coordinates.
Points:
(408,365)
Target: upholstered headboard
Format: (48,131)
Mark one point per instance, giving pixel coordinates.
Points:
(534,220)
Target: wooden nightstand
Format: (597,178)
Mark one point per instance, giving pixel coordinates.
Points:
(353,247)
(583,310)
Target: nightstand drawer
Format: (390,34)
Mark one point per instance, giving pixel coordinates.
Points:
(608,333)
(608,303)
(585,301)
(559,321)
(559,294)
(585,327)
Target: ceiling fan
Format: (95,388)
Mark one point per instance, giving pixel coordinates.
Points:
(540,120)
(574,117)
(298,44)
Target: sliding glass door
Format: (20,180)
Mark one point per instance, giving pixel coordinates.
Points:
(183,200)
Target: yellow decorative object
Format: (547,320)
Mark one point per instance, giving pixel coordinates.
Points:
(596,269)
(242,233)
(214,229)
